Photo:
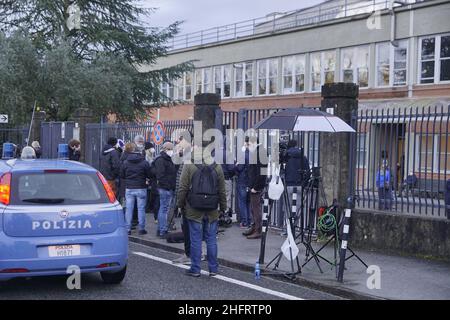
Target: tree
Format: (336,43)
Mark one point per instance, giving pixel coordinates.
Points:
(112,40)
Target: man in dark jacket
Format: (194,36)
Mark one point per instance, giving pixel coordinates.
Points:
(256,183)
(110,163)
(166,176)
(297,166)
(241,171)
(297,173)
(134,173)
(203,224)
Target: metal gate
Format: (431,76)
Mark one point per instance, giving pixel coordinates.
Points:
(54,133)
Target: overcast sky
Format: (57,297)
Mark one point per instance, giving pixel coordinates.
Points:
(204,14)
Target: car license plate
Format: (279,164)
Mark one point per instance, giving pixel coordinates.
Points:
(64,250)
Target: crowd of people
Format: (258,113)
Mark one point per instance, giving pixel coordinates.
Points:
(146,182)
(200,194)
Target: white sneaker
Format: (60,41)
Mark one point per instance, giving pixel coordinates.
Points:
(182,260)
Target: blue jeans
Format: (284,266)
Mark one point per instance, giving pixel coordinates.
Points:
(208,232)
(131,195)
(244,205)
(165,200)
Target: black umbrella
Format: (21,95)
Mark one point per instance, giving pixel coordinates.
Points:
(304,119)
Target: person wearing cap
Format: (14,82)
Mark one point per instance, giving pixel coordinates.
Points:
(165,173)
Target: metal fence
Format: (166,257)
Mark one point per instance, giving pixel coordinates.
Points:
(407,147)
(282,21)
(403,160)
(97,135)
(17,135)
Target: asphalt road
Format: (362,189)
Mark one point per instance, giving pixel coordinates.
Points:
(150,275)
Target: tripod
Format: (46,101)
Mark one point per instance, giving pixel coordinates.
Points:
(290,223)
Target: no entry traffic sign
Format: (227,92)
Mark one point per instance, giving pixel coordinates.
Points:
(158,133)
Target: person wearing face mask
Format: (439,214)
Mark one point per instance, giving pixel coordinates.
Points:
(257,180)
(165,173)
(74,150)
(139,141)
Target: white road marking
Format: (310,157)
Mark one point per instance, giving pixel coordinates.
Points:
(223,278)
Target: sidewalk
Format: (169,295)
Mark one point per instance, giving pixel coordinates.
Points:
(401,277)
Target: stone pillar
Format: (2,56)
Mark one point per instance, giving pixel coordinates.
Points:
(335,154)
(39,117)
(205,108)
(81,117)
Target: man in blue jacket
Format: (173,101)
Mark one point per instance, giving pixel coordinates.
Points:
(383,182)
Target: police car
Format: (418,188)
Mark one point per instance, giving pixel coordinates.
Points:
(56,214)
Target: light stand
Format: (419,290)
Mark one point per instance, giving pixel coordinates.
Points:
(285,198)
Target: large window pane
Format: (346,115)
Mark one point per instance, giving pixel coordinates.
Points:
(383,64)
(427,71)
(428,48)
(239,80)
(445,70)
(226,80)
(249,79)
(315,71)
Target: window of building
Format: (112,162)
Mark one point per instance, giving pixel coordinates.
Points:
(203,80)
(293,74)
(355,65)
(323,68)
(434,59)
(383,64)
(222,80)
(433,153)
(392,64)
(243,79)
(187,86)
(313,149)
(267,76)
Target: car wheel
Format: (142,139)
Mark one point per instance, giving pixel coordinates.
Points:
(113,277)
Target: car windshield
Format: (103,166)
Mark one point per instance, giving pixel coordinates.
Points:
(57,188)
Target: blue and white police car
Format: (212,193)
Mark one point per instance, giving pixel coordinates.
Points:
(55,214)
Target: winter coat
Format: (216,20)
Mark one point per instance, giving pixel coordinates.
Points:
(74,155)
(165,172)
(297,168)
(241,171)
(187,173)
(135,171)
(110,162)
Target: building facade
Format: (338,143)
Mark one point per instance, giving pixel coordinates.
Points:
(398,54)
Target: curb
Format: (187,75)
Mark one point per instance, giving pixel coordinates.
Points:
(315,285)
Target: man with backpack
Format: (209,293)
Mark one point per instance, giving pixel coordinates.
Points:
(110,163)
(201,192)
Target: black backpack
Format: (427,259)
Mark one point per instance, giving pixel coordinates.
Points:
(204,194)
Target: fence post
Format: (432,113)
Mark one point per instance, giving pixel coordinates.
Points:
(219,120)
(83,116)
(242,119)
(335,154)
